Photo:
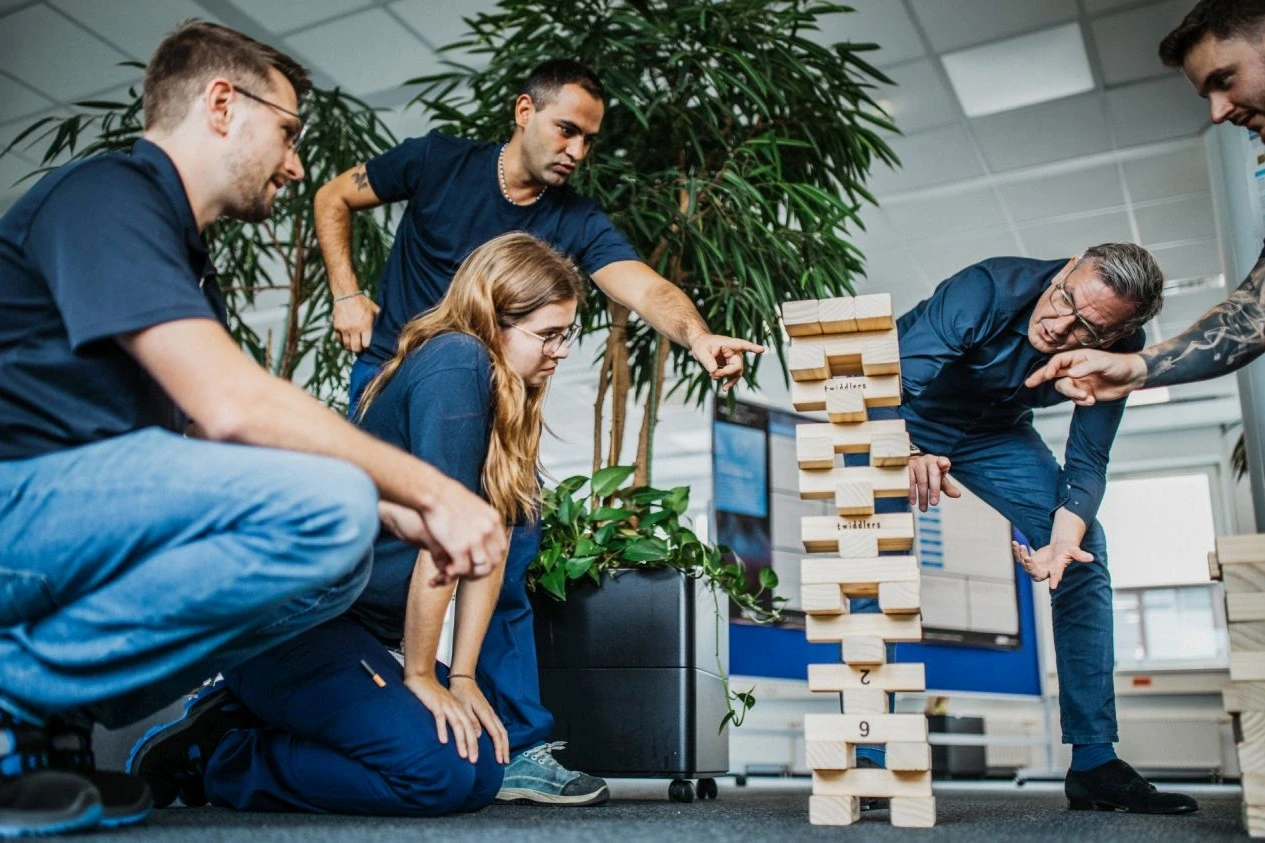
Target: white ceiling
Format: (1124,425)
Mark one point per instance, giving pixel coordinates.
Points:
(1124,161)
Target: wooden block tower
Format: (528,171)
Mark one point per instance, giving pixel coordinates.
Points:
(844,358)
(1239,562)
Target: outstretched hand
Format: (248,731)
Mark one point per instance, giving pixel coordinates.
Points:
(1049,562)
(1088,375)
(722,357)
(928,479)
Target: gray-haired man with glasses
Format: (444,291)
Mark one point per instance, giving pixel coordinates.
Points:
(965,353)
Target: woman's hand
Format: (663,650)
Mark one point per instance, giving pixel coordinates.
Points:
(448,712)
(466,691)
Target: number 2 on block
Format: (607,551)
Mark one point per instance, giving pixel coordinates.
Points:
(865,677)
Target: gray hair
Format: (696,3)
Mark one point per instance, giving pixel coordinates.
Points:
(1131,273)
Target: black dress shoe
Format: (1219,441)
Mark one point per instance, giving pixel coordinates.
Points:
(1115,786)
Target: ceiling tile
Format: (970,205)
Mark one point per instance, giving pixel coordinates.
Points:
(1146,112)
(1127,42)
(1092,189)
(933,157)
(944,216)
(941,260)
(1186,218)
(1051,131)
(283,16)
(881,22)
(135,26)
(440,24)
(410,123)
(396,55)
(1096,7)
(17,101)
(1064,238)
(952,24)
(57,57)
(1190,260)
(890,271)
(920,99)
(1169,174)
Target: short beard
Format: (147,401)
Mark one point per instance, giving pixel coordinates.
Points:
(249,190)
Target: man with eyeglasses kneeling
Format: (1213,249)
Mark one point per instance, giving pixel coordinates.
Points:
(965,353)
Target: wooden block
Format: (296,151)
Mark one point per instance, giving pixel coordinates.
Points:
(845,352)
(1237,696)
(1241,606)
(1247,635)
(887,627)
(1234,550)
(833,810)
(1254,820)
(863,650)
(865,701)
(822,533)
(881,357)
(821,599)
(1254,788)
(874,312)
(1244,577)
(816,452)
(846,407)
(837,315)
(871,782)
(877,391)
(860,577)
(807,363)
(1249,735)
(854,498)
(800,317)
(888,482)
(888,677)
(914,811)
(858,544)
(865,728)
(1214,566)
(908,756)
(830,755)
(849,438)
(900,598)
(890,449)
(1247,666)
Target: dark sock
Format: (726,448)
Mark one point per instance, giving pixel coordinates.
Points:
(1087,756)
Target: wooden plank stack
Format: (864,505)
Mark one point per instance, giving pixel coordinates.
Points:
(844,359)
(1239,562)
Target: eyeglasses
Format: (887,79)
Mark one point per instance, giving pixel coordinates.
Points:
(554,341)
(293,138)
(1086,332)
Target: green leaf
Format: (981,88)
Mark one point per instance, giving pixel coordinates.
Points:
(579,566)
(608,513)
(768,579)
(609,479)
(555,582)
(646,550)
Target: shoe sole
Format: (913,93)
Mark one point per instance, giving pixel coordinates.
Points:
(89,819)
(126,819)
(523,796)
(1088,805)
(160,734)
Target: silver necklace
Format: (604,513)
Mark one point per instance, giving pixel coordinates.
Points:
(505,191)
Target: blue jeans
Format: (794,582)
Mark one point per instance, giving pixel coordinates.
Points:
(507,669)
(333,741)
(132,568)
(1014,472)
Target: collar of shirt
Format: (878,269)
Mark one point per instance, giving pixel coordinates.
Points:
(169,180)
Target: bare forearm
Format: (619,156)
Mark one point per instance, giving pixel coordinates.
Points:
(1068,529)
(1226,338)
(333,231)
(476,600)
(655,299)
(424,618)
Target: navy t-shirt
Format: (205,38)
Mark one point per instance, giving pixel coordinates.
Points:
(438,407)
(95,249)
(455,205)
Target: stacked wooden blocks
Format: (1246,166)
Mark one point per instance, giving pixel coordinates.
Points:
(844,359)
(1239,562)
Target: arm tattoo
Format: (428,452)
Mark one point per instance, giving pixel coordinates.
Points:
(361,178)
(1226,338)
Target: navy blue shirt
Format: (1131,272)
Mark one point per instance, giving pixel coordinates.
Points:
(96,249)
(438,407)
(455,205)
(964,355)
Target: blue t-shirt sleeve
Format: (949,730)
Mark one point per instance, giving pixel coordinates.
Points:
(114,254)
(397,174)
(602,243)
(449,406)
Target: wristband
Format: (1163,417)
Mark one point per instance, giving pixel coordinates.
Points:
(337,299)
(460,676)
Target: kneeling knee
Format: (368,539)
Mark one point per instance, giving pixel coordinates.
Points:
(433,790)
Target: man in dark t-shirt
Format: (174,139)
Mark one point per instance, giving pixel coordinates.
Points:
(462,193)
(135,562)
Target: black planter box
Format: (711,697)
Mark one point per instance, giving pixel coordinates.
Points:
(629,671)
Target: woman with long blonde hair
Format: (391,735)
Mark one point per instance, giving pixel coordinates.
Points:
(331,721)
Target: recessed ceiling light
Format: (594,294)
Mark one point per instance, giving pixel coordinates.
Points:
(1020,71)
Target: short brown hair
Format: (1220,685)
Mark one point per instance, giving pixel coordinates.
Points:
(199,51)
(1222,19)
(549,77)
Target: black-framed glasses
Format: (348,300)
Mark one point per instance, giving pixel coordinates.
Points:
(1086,332)
(295,138)
(554,341)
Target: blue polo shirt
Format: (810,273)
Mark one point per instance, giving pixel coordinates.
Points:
(964,355)
(95,249)
(438,407)
(455,205)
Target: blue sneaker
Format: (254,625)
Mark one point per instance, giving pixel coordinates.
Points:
(125,800)
(33,799)
(534,777)
(171,757)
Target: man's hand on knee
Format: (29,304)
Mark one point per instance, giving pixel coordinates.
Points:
(928,479)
